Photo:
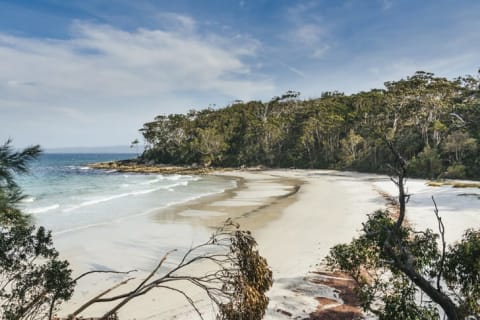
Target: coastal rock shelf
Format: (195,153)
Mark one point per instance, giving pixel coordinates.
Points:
(132,166)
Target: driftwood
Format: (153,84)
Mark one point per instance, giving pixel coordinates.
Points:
(226,285)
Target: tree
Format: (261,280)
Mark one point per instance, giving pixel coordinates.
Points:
(458,143)
(396,266)
(211,145)
(32,278)
(350,145)
(236,282)
(12,163)
(134,144)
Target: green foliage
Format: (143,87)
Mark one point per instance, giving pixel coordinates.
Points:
(32,278)
(12,163)
(387,260)
(383,289)
(249,285)
(456,171)
(462,271)
(426,164)
(432,121)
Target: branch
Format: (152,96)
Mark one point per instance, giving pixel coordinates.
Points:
(441,229)
(404,263)
(102,271)
(96,298)
(134,293)
(190,300)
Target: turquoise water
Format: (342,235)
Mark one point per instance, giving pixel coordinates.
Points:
(65,195)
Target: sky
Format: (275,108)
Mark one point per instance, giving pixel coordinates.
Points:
(91,72)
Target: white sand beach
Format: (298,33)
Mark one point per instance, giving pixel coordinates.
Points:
(296,216)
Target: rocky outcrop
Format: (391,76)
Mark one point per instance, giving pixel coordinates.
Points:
(139,167)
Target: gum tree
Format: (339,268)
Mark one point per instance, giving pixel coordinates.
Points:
(404,273)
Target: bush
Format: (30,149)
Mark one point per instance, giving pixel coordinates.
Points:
(32,277)
(456,171)
(426,164)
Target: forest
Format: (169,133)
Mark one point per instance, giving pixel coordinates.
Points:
(433,122)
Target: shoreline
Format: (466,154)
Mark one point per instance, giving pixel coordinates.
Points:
(280,208)
(296,216)
(203,214)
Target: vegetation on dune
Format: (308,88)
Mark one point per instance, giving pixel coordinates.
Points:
(435,123)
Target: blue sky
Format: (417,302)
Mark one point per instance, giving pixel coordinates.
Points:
(91,72)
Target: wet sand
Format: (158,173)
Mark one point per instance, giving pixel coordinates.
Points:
(296,216)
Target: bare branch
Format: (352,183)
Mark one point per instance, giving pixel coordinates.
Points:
(102,271)
(441,229)
(95,299)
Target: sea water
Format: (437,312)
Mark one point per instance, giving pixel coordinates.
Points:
(100,217)
(64,194)
(108,220)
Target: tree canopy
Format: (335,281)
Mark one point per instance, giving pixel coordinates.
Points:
(32,277)
(435,122)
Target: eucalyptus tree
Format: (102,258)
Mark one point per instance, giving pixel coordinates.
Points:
(403,273)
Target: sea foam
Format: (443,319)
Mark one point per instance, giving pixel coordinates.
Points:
(42,209)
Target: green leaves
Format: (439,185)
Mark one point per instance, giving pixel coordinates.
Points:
(432,121)
(462,270)
(383,288)
(376,260)
(32,278)
(11,163)
(249,284)
(31,275)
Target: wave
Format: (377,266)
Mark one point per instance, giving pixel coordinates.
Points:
(93,225)
(81,228)
(152,181)
(42,209)
(174,177)
(79,167)
(29,199)
(145,212)
(178,184)
(110,198)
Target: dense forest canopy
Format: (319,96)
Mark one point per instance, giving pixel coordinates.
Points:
(433,121)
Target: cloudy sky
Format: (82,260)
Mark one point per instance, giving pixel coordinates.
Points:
(91,72)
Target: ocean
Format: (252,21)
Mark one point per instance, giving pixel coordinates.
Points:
(64,194)
(108,220)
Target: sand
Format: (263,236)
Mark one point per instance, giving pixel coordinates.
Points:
(296,216)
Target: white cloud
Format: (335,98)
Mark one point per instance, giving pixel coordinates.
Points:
(321,51)
(105,61)
(308,34)
(296,71)
(308,30)
(177,21)
(102,74)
